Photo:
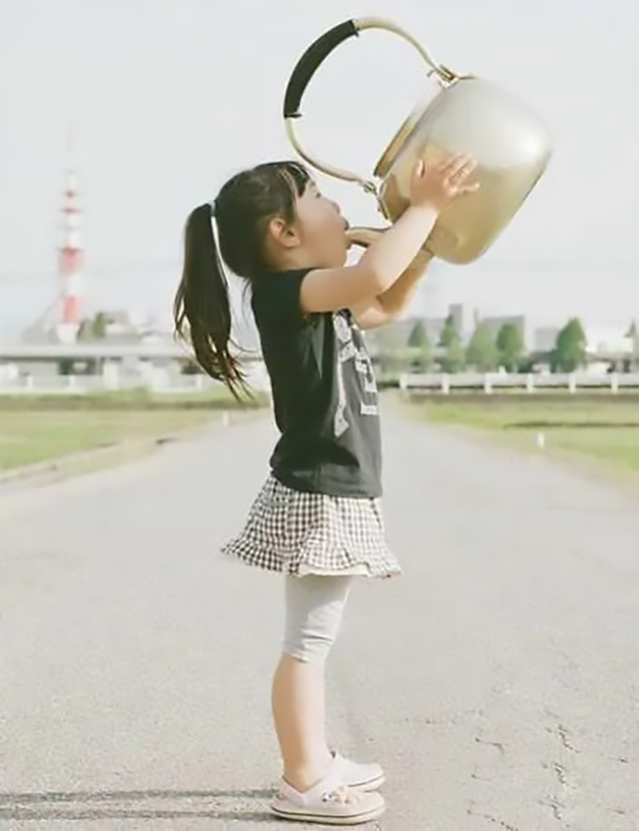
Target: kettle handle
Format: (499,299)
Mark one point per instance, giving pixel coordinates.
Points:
(310,62)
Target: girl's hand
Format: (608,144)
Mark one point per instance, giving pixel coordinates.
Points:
(437,186)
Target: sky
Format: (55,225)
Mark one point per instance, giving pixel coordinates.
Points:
(167,99)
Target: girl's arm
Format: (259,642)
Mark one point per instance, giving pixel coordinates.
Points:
(382,265)
(387,306)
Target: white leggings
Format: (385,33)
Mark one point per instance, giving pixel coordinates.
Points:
(314,609)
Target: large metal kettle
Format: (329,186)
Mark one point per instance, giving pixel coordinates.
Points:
(468,115)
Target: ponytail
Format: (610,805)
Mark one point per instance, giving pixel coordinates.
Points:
(202,304)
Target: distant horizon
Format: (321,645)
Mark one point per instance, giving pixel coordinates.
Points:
(11,327)
(428,304)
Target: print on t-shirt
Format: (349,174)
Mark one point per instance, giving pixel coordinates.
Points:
(351,348)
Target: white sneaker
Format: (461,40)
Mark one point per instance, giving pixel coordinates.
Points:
(328,803)
(364,777)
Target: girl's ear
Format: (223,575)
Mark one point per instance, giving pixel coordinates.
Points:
(283,234)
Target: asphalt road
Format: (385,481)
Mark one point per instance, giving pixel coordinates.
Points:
(497,680)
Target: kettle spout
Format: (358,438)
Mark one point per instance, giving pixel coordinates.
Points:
(363,237)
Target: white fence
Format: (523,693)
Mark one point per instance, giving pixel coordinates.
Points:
(412,383)
(416,383)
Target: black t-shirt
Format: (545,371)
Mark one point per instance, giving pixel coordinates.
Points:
(324,393)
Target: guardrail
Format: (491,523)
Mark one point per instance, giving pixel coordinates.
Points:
(87,384)
(416,383)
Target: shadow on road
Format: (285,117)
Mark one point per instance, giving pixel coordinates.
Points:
(95,805)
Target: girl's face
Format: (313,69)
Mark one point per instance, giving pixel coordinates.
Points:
(321,229)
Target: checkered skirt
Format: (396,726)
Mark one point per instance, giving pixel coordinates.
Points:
(301,533)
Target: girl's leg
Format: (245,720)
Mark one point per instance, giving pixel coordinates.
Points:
(314,610)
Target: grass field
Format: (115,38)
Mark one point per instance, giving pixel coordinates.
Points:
(134,399)
(38,429)
(602,430)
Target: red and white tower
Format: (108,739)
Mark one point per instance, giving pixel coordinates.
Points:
(70,263)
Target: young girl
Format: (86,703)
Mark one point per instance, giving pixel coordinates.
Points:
(317,518)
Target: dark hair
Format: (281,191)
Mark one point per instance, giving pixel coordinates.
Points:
(242,211)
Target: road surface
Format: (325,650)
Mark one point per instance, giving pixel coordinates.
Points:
(497,680)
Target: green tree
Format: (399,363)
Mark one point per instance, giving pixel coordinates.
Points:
(85,332)
(482,352)
(99,326)
(453,359)
(388,345)
(510,347)
(570,349)
(633,334)
(449,332)
(418,335)
(419,345)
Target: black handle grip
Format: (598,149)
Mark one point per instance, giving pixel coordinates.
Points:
(309,63)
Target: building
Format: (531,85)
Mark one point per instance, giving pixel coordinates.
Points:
(605,343)
(495,324)
(545,338)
